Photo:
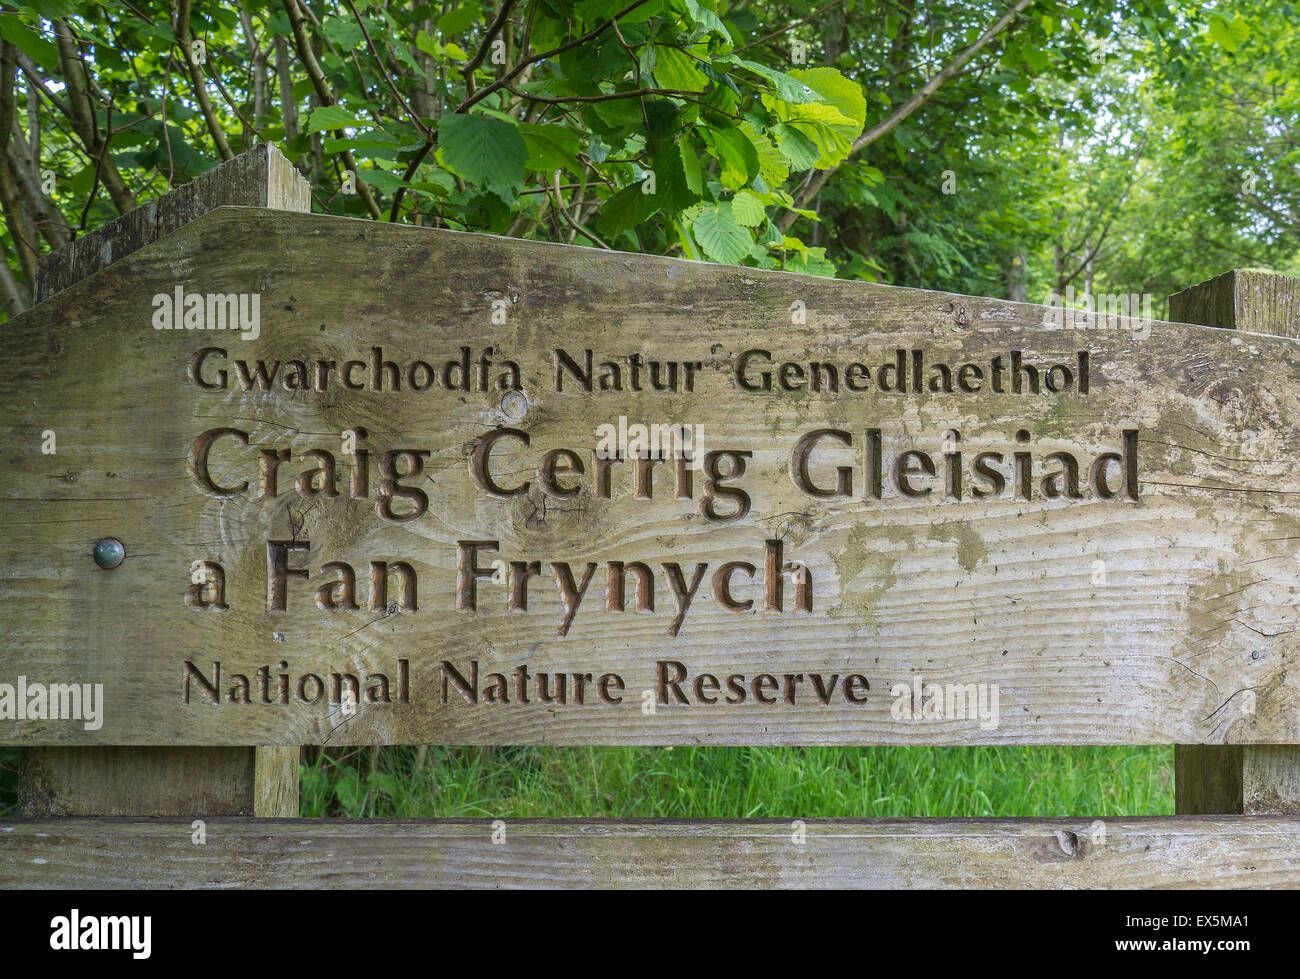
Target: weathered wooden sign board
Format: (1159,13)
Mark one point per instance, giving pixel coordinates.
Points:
(397,485)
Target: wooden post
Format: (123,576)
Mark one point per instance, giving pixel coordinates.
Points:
(1249,779)
(200,782)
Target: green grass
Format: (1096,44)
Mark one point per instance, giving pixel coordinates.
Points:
(725,782)
(740,782)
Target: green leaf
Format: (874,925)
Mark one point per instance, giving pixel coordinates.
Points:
(672,192)
(691,166)
(550,147)
(707,19)
(785,200)
(457,20)
(773,167)
(720,237)
(788,88)
(488,152)
(592,12)
(623,115)
(1036,58)
(719,105)
(737,153)
(383,781)
(747,209)
(385,181)
(1228,35)
(843,93)
(675,69)
(628,208)
(428,44)
(343,32)
(646,60)
(347,790)
(642,13)
(430,187)
(51,9)
(811,261)
(597,149)
(799,149)
(662,114)
(771,235)
(374,142)
(831,124)
(29,42)
(743,19)
(404,53)
(821,113)
(330,117)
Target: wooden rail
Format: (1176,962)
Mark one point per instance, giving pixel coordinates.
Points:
(1156,852)
(1191,641)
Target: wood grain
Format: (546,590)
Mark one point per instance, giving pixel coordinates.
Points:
(259,177)
(1252,779)
(1262,779)
(95,780)
(1156,852)
(1184,633)
(113,781)
(1242,299)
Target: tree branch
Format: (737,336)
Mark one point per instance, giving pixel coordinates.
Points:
(196,81)
(917,100)
(81,114)
(481,53)
(559,206)
(384,71)
(510,75)
(309,62)
(783,30)
(15,220)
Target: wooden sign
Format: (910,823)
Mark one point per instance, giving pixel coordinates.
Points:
(283,479)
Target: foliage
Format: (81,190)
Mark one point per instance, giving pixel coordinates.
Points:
(983,147)
(754,783)
(992,147)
